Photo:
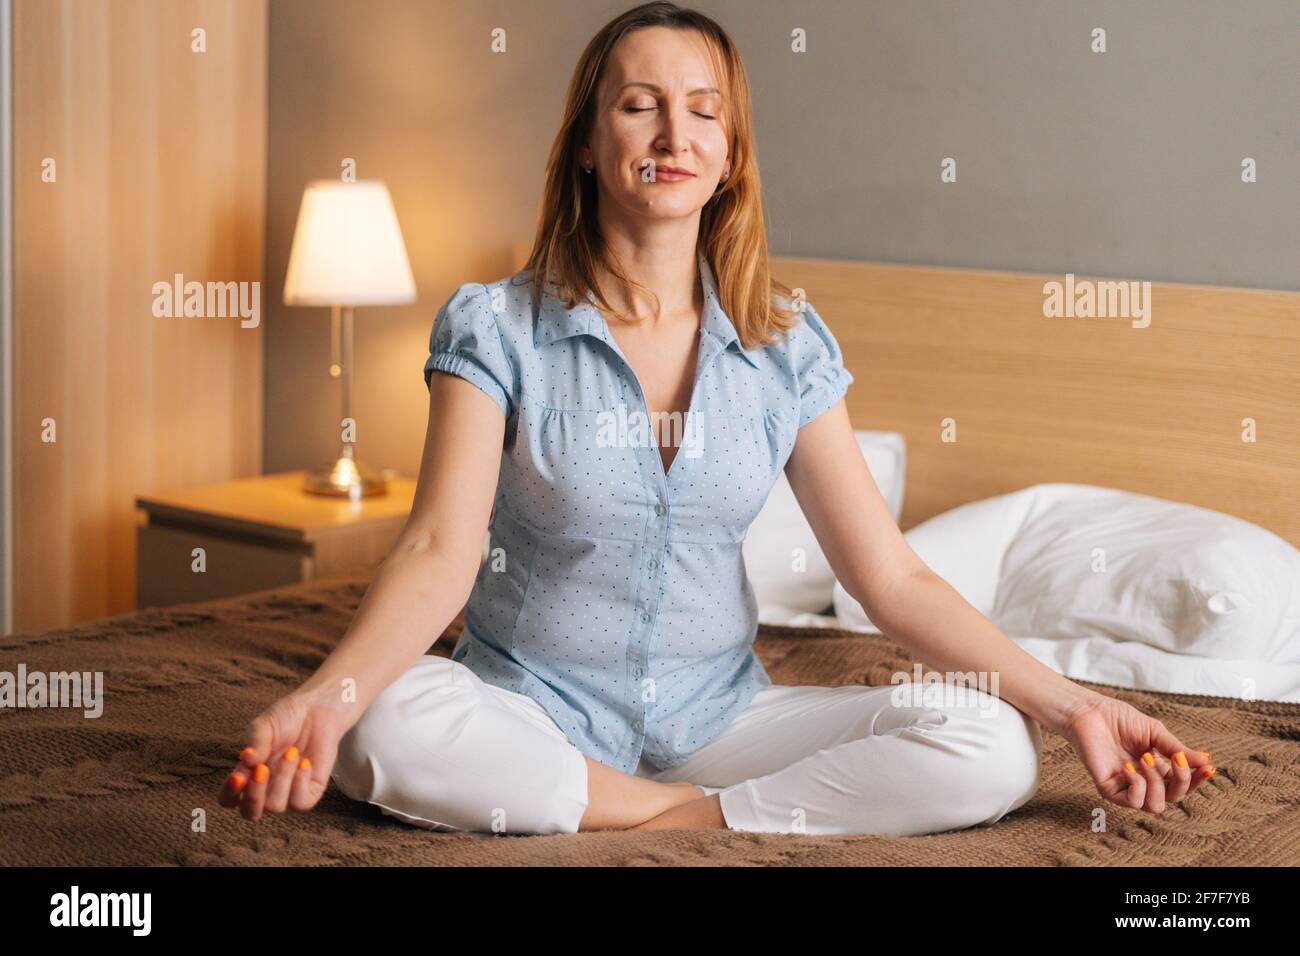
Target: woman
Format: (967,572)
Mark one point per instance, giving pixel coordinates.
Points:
(605,678)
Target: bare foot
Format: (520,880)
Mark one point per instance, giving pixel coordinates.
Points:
(618,801)
(704,813)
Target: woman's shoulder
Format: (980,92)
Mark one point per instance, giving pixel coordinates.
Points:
(812,358)
(808,336)
(509,302)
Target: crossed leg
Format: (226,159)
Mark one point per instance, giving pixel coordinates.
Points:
(441,749)
(845,760)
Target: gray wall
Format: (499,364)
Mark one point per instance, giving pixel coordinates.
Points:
(1125,163)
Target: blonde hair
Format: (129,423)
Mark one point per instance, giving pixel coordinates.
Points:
(567,248)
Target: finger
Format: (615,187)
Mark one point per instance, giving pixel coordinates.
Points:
(1164,742)
(255,793)
(1155,800)
(1179,781)
(233,787)
(1137,785)
(260,736)
(283,770)
(1197,760)
(305,793)
(1164,766)
(311,781)
(1201,772)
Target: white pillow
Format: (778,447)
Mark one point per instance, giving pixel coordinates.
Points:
(780,528)
(1169,575)
(1176,577)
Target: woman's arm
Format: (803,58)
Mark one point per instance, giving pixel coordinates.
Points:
(903,597)
(427,577)
(415,593)
(1123,749)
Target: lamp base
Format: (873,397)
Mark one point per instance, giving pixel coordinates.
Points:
(345,478)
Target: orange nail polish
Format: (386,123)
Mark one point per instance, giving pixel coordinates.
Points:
(1208,771)
(237,781)
(246,753)
(1129,767)
(260,773)
(1205,754)
(1180,758)
(1149,760)
(304,764)
(291,754)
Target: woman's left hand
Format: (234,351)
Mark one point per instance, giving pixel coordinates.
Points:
(1134,759)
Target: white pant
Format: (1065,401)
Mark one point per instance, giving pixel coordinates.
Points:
(441,749)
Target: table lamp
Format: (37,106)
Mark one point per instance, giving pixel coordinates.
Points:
(347,252)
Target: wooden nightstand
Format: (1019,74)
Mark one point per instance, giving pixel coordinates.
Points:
(259,533)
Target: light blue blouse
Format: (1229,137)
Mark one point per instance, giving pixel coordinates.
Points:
(614,594)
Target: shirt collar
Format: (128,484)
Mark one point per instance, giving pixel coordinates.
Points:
(555,322)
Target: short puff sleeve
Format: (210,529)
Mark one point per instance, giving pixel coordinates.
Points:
(466,342)
(818,366)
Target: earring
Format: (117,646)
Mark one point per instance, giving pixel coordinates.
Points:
(586,169)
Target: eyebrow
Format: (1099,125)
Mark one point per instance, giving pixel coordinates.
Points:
(658,89)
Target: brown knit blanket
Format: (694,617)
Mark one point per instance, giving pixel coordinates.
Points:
(181,683)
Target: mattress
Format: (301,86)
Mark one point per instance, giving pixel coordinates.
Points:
(138,784)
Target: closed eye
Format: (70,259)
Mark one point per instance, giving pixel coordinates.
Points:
(644,109)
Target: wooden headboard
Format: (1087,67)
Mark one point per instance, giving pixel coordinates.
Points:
(1157,410)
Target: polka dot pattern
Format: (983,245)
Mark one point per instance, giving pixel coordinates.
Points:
(618,598)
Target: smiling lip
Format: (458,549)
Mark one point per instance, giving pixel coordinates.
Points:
(672,174)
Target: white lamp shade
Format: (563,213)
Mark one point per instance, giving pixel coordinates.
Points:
(348,248)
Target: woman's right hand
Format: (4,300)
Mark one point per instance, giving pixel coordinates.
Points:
(291,748)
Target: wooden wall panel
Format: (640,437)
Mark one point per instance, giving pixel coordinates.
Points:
(160,156)
(1155,410)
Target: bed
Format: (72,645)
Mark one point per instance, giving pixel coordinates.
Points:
(127,787)
(1157,410)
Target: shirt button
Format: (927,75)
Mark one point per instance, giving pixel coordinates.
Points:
(653,564)
(637,672)
(637,726)
(645,616)
(659,509)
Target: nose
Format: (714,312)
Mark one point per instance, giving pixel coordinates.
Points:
(671,129)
